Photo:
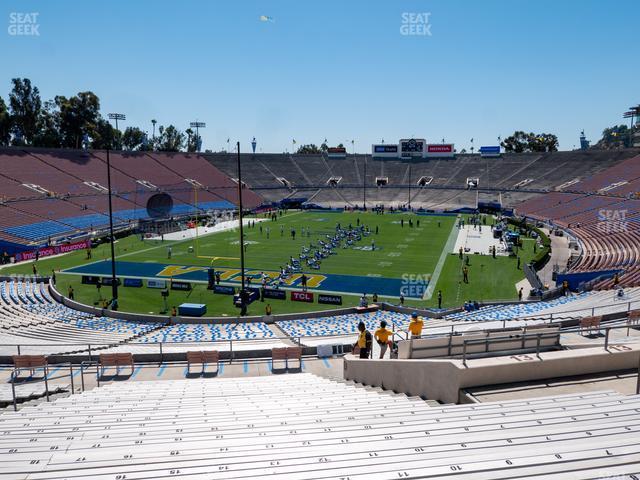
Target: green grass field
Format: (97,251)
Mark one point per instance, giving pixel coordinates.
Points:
(400,251)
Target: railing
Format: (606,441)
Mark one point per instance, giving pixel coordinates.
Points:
(522,337)
(47,369)
(592,311)
(91,348)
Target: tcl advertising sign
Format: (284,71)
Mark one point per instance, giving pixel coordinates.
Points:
(440,150)
(301,296)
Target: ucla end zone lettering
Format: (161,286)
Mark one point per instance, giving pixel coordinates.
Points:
(329,283)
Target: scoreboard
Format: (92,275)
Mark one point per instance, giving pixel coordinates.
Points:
(412,147)
(384,151)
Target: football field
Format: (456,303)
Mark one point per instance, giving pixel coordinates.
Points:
(400,254)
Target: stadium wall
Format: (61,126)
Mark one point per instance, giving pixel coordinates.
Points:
(443,380)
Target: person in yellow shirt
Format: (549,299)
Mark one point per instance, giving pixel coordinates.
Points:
(364,341)
(415,325)
(382,337)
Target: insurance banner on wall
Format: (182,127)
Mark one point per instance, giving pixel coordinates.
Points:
(54,250)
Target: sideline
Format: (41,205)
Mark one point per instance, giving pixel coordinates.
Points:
(448,248)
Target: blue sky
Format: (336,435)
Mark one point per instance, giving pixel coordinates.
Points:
(338,69)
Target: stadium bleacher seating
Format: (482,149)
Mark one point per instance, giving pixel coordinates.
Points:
(50,193)
(605,218)
(301,426)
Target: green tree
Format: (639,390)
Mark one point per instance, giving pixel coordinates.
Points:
(48,134)
(133,139)
(5,124)
(104,136)
(543,142)
(521,142)
(80,116)
(170,139)
(307,149)
(25,105)
(518,142)
(193,140)
(618,136)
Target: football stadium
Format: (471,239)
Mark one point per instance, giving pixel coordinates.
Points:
(211,303)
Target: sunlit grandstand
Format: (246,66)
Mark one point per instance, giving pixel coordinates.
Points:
(304,240)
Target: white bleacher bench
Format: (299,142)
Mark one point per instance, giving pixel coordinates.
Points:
(205,357)
(590,324)
(286,354)
(117,360)
(303,426)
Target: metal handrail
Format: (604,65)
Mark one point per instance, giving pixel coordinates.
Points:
(13,377)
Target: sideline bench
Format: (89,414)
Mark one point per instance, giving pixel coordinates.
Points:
(204,358)
(115,360)
(30,362)
(285,354)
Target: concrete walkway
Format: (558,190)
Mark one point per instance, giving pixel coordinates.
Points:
(560,253)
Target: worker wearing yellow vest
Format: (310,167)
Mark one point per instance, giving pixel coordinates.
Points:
(415,325)
(364,342)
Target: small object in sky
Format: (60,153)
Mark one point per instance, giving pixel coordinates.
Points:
(265,18)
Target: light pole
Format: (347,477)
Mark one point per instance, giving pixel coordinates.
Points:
(153,122)
(242,286)
(114,282)
(116,117)
(197,125)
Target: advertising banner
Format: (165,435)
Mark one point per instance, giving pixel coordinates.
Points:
(156,284)
(49,251)
(440,150)
(330,299)
(272,293)
(301,296)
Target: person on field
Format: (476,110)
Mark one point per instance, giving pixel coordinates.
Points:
(415,325)
(439,298)
(364,342)
(465,274)
(70,292)
(382,337)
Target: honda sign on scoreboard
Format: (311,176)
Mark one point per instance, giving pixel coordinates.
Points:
(440,150)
